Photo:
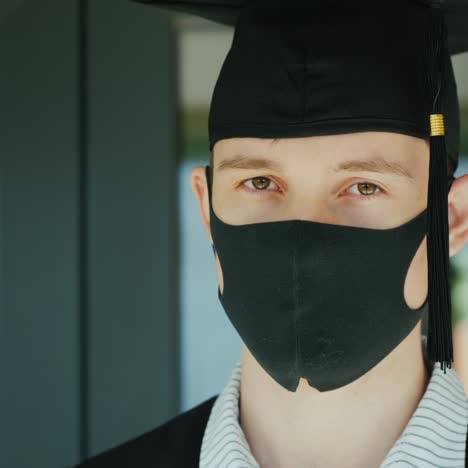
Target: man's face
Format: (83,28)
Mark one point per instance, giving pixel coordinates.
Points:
(375,180)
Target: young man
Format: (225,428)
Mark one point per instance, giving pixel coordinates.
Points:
(327,206)
(375,180)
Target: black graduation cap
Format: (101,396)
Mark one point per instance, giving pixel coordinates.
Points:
(308,67)
(227,11)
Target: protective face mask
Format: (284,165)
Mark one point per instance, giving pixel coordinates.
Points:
(320,301)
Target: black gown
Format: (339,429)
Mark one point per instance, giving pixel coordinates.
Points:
(174,444)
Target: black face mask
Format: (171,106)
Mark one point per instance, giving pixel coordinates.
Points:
(320,301)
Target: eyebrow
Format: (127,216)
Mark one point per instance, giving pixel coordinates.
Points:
(378,165)
(249,162)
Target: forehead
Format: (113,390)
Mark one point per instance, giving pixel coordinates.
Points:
(324,149)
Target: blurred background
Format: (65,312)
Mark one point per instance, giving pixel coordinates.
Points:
(109,318)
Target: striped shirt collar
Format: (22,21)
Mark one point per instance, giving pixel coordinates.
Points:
(434,437)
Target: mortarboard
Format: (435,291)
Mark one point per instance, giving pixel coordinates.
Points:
(303,68)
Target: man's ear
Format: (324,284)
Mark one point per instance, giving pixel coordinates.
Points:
(199,186)
(458,214)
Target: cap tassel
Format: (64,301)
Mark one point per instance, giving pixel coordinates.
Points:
(439,340)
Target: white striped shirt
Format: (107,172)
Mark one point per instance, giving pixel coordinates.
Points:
(434,437)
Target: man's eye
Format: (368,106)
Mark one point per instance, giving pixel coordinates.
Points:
(366,189)
(260,184)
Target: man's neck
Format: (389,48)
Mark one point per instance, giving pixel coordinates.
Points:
(358,423)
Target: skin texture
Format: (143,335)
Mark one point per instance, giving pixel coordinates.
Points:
(280,425)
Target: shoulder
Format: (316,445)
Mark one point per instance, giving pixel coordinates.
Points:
(174,443)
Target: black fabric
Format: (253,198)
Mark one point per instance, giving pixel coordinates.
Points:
(174,444)
(227,12)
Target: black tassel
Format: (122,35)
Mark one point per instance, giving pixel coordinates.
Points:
(439,340)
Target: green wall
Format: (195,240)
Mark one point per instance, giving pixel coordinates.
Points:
(88,240)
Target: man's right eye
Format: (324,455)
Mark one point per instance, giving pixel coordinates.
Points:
(259,184)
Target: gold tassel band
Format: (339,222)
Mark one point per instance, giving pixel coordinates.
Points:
(437,125)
